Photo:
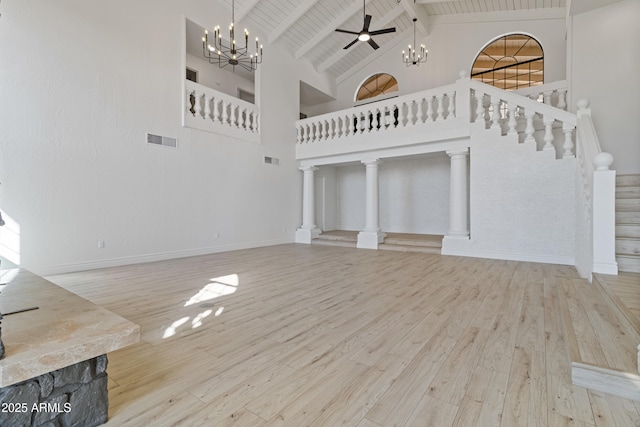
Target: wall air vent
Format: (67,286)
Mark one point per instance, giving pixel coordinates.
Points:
(271,161)
(162,140)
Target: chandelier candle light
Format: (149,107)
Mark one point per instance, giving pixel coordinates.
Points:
(224,55)
(411,58)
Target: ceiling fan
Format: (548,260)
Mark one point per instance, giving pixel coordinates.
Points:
(365,35)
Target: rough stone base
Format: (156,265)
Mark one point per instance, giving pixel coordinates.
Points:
(71,396)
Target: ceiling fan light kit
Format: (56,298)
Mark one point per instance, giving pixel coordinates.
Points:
(365,35)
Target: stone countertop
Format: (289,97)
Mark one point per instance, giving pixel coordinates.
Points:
(66,329)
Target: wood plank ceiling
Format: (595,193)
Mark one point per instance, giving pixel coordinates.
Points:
(306,27)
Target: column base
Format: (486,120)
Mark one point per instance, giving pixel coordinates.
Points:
(305,235)
(370,239)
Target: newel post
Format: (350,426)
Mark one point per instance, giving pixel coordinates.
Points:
(463,98)
(604,215)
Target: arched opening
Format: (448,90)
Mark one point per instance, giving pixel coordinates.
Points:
(377,85)
(510,62)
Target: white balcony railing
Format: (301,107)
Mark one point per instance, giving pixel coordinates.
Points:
(212,111)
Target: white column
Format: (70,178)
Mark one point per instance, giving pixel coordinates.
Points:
(458,195)
(308,230)
(371,236)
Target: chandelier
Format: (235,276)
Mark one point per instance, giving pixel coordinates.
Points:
(226,53)
(411,58)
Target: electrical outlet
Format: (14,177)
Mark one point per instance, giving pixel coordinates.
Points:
(100,244)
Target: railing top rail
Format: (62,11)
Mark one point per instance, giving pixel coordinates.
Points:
(442,90)
(220,95)
(547,87)
(544,109)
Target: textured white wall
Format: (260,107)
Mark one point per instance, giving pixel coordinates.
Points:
(84,82)
(419,183)
(522,202)
(604,69)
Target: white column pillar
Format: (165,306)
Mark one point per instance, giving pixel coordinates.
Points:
(308,230)
(458,195)
(371,236)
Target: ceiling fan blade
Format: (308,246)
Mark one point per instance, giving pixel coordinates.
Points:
(347,31)
(350,44)
(367,21)
(373,44)
(385,31)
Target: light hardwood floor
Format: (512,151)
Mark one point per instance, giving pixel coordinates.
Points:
(298,335)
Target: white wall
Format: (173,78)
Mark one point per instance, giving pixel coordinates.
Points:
(453,46)
(421,183)
(604,69)
(81,83)
(222,80)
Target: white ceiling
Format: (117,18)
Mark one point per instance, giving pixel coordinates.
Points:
(307,27)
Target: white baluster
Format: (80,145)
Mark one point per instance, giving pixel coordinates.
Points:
(547,97)
(548,133)
(479,106)
(529,130)
(362,119)
(402,115)
(452,105)
(420,112)
(562,99)
(215,116)
(238,116)
(512,120)
(429,114)
(299,134)
(197,106)
(245,113)
(207,107)
(568,140)
(309,132)
(413,118)
(440,110)
(345,125)
(225,115)
(496,116)
(377,118)
(327,132)
(354,124)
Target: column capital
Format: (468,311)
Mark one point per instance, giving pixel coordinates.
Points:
(458,152)
(308,168)
(371,162)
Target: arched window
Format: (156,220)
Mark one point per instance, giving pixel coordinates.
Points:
(375,85)
(510,62)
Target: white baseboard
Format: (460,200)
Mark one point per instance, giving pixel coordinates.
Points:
(609,381)
(161,256)
(511,256)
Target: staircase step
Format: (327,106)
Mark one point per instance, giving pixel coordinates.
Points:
(627,230)
(436,242)
(628,180)
(628,263)
(628,205)
(627,246)
(623,217)
(333,242)
(409,248)
(338,238)
(628,192)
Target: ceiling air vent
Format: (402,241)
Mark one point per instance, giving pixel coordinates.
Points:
(162,140)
